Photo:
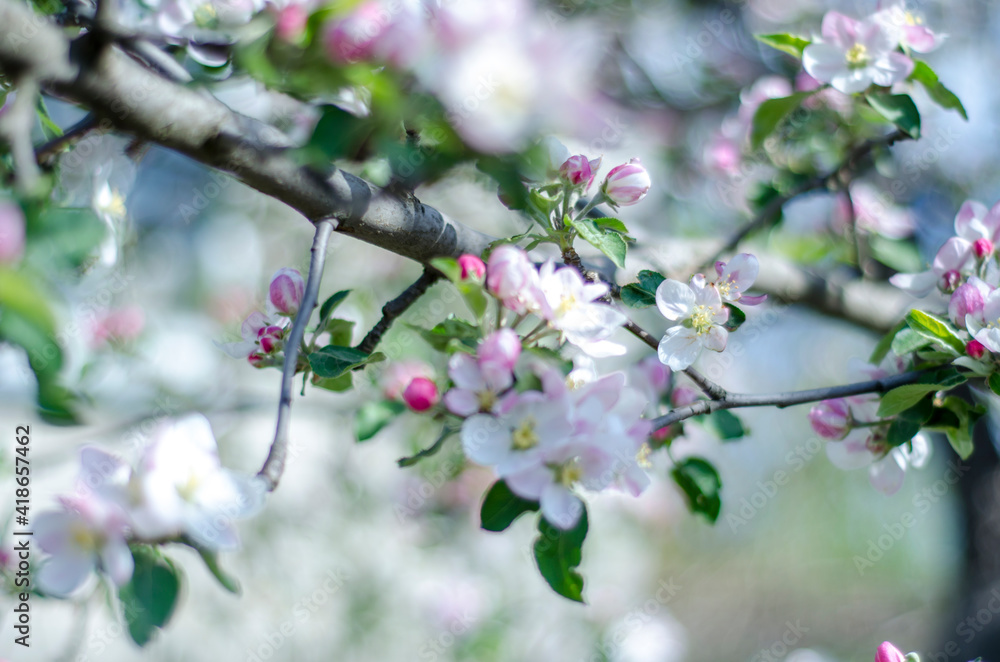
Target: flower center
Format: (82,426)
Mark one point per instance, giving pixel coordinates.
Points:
(524,436)
(569,473)
(205,16)
(487,399)
(701,320)
(911,19)
(187,489)
(726,288)
(642,456)
(857,56)
(83,537)
(566,304)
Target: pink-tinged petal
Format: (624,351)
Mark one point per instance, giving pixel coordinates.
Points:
(840,30)
(715,339)
(919,285)
(741,271)
(465,372)
(674,299)
(99,468)
(823,61)
(893,68)
(502,347)
(990,338)
(530,483)
(63,574)
(679,348)
(471,266)
(920,38)
(953,256)
(992,223)
(887,474)
(461,402)
(52,530)
(561,507)
(829,418)
(252,325)
(485,439)
(849,454)
(754,300)
(966,300)
(11,232)
(971,210)
(116,560)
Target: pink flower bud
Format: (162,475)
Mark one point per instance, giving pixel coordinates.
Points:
(256,359)
(472,266)
(831,419)
(123,324)
(355,37)
(512,278)
(421,394)
(270,339)
(11,232)
(975,349)
(579,171)
(626,184)
(983,247)
(967,299)
(501,348)
(290,22)
(398,376)
(286,290)
(950,280)
(889,653)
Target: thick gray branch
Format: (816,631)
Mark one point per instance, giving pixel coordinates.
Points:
(140,102)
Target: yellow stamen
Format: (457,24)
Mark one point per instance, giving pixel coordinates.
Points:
(857,56)
(524,437)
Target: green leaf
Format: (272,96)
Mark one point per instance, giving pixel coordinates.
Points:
(552,356)
(901,255)
(373,416)
(908,340)
(725,424)
(904,397)
(898,109)
(936,329)
(901,431)
(449,267)
(63,238)
(643,293)
(339,134)
(150,597)
(609,243)
(501,507)
(785,43)
(333,361)
(994,382)
(558,553)
(701,484)
(960,436)
(938,93)
(611,224)
(474,296)
(885,344)
(770,114)
(736,318)
(331,304)
(336,384)
(341,331)
(211,559)
(449,332)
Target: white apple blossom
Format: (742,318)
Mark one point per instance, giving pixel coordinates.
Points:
(180,488)
(571,305)
(907,27)
(852,55)
(698,309)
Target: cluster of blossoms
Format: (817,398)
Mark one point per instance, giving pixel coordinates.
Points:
(858,438)
(851,55)
(966,267)
(178,490)
(264,333)
(701,309)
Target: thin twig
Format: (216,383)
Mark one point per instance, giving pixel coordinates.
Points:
(773,208)
(397,307)
(787,399)
(46,153)
(274,466)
